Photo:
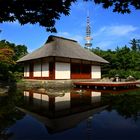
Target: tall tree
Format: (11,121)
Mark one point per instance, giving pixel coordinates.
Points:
(134,44)
(9,54)
(19,50)
(123,61)
(46,12)
(6,55)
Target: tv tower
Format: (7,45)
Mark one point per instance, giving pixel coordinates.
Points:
(88,37)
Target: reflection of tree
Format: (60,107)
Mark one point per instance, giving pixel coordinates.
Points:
(8,113)
(127,104)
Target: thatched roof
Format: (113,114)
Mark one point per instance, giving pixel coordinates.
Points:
(62,47)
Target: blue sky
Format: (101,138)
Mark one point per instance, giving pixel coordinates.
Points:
(109,29)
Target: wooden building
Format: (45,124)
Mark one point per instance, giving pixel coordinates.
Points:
(62,58)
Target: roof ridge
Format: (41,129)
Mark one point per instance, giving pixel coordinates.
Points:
(50,38)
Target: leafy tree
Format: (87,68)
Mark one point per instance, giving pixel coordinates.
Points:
(124,61)
(6,55)
(120,6)
(19,50)
(46,12)
(123,57)
(134,44)
(9,54)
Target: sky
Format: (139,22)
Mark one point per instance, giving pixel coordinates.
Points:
(108,29)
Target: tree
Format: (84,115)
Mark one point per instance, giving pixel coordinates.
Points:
(6,55)
(123,61)
(135,44)
(9,54)
(46,12)
(120,6)
(19,50)
(123,57)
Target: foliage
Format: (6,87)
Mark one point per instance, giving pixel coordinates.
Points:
(9,54)
(120,6)
(19,50)
(124,61)
(6,55)
(135,46)
(46,12)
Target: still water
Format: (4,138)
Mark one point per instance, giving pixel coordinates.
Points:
(70,115)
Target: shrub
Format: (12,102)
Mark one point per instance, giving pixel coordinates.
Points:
(124,74)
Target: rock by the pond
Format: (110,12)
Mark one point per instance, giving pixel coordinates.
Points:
(130,78)
(4,89)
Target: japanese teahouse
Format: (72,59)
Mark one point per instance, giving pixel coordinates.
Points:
(62,58)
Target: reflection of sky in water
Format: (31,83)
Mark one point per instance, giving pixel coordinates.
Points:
(111,124)
(28,128)
(104,125)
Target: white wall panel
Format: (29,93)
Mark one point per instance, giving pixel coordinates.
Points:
(96,97)
(45,69)
(26,93)
(37,98)
(45,101)
(37,70)
(62,102)
(95,72)
(45,97)
(62,70)
(26,96)
(26,70)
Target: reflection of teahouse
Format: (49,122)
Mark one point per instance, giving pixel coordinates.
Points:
(62,58)
(61,113)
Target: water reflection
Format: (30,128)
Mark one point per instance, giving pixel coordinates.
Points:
(68,113)
(74,106)
(60,101)
(8,113)
(54,110)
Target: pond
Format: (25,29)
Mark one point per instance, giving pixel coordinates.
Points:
(70,114)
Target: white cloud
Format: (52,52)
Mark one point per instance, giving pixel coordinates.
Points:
(107,36)
(111,36)
(63,34)
(76,37)
(116,30)
(104,44)
(122,30)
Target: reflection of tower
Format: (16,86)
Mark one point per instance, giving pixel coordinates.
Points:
(88,37)
(89,128)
